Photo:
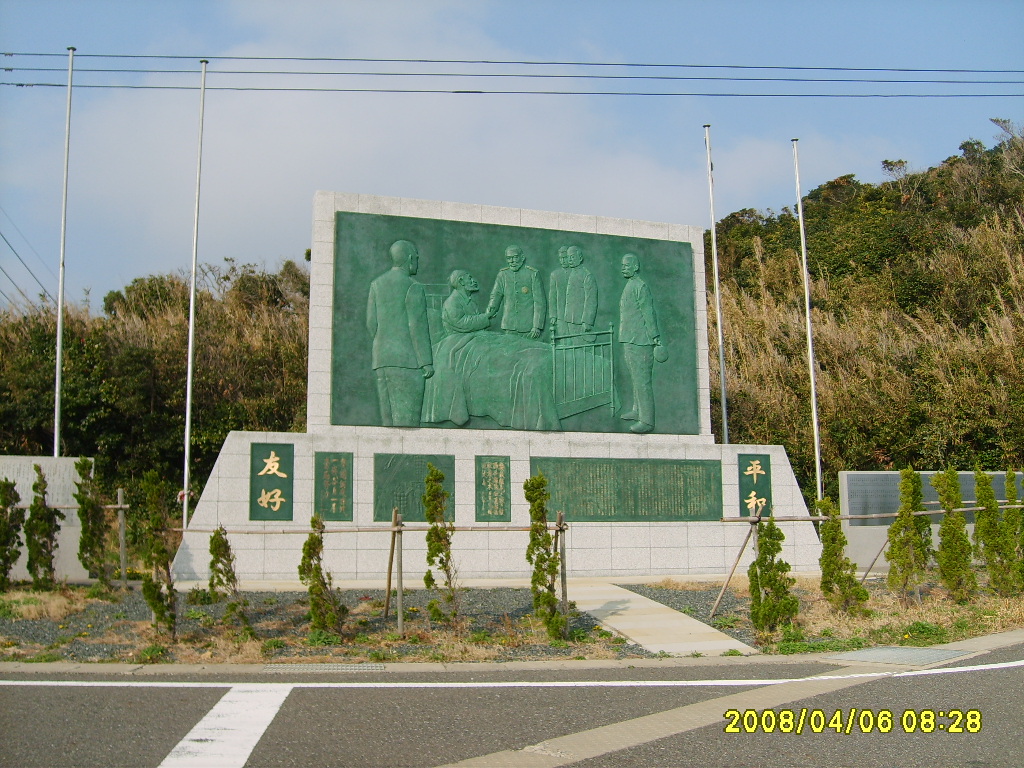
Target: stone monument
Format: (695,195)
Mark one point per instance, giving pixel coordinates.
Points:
(495,343)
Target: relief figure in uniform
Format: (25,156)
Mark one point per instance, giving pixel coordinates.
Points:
(480,373)
(639,336)
(572,295)
(396,317)
(517,291)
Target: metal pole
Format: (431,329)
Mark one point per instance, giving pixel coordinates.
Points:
(58,383)
(810,336)
(399,609)
(192,308)
(718,288)
(121,537)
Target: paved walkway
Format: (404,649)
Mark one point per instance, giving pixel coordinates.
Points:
(649,623)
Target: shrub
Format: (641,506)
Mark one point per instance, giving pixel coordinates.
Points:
(771,603)
(1015,522)
(994,539)
(326,611)
(907,552)
(838,573)
(439,546)
(157,551)
(223,576)
(541,554)
(93,542)
(41,530)
(954,555)
(12,517)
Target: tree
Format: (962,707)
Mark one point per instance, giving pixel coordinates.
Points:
(439,546)
(839,582)
(541,554)
(326,611)
(954,555)
(1015,521)
(12,517)
(158,545)
(994,537)
(92,545)
(907,553)
(41,531)
(223,576)
(771,603)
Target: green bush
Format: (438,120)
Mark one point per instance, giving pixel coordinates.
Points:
(954,555)
(907,551)
(541,554)
(41,530)
(12,518)
(326,611)
(994,537)
(439,547)
(771,603)
(92,544)
(839,581)
(157,551)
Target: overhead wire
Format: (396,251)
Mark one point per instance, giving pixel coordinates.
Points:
(524,75)
(29,244)
(18,287)
(26,266)
(517,62)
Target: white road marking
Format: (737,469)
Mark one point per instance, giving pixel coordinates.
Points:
(510,683)
(230,731)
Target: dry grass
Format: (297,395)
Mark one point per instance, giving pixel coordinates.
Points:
(219,650)
(45,605)
(888,617)
(690,586)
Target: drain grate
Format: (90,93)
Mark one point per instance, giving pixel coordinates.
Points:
(326,667)
(899,654)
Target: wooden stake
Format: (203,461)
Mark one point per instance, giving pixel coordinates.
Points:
(391,560)
(753,524)
(561,563)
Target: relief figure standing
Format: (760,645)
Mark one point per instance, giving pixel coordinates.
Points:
(396,318)
(639,336)
(517,291)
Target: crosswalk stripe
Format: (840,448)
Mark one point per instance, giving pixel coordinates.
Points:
(230,731)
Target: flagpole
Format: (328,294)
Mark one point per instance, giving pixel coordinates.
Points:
(807,313)
(718,287)
(192,307)
(59,377)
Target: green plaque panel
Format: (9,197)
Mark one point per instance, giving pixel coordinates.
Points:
(493,492)
(632,490)
(398,481)
(271,472)
(755,476)
(332,479)
(459,324)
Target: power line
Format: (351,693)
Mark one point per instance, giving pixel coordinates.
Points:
(4,237)
(16,286)
(525,75)
(520,62)
(30,247)
(523,92)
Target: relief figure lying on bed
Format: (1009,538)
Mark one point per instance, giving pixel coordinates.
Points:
(484,373)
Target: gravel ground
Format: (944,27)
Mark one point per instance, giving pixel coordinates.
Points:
(732,616)
(119,630)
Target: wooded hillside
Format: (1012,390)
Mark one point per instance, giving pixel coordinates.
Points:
(918,311)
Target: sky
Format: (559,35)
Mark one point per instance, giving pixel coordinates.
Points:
(133,151)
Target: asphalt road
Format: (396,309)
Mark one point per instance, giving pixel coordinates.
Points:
(655,713)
